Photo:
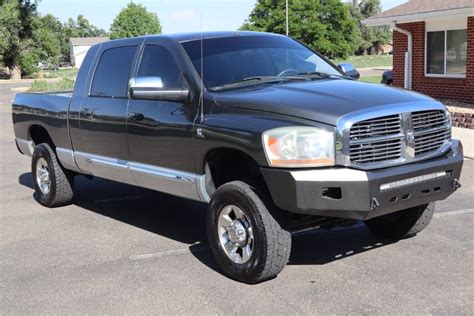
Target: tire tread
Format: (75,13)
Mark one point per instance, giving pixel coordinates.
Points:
(62,186)
(278,240)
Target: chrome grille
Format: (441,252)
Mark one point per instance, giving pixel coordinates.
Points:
(378,127)
(424,120)
(376,151)
(397,138)
(431,130)
(369,143)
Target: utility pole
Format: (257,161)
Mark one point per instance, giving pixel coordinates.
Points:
(287,30)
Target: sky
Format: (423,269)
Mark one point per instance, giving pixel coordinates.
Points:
(175,15)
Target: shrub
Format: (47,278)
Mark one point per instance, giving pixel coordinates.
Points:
(43,85)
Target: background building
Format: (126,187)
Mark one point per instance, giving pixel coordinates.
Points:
(78,47)
(433,46)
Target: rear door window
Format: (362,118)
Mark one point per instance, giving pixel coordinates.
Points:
(112,72)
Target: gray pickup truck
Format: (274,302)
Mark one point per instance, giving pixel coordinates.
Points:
(273,136)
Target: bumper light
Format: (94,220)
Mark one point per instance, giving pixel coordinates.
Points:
(410,181)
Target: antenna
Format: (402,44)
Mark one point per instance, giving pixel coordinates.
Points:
(201,96)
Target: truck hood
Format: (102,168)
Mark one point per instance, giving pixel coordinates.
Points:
(320,100)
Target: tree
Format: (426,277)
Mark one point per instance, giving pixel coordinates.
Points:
(134,20)
(369,36)
(49,37)
(323,25)
(17,48)
(80,27)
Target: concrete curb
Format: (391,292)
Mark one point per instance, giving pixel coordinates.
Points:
(466,136)
(20,89)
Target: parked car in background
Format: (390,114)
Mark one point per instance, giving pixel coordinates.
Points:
(387,77)
(65,64)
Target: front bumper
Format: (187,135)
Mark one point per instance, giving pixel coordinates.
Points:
(357,194)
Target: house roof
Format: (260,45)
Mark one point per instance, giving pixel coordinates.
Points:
(87,41)
(420,10)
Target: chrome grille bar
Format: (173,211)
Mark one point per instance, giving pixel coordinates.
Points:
(431,130)
(376,140)
(397,138)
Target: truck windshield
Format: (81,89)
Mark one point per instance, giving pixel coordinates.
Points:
(238,61)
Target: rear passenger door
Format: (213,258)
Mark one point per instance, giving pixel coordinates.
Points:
(102,124)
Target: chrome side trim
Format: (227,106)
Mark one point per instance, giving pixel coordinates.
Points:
(26,146)
(106,167)
(166,180)
(201,188)
(180,183)
(66,157)
(345,123)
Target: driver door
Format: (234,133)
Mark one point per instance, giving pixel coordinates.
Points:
(160,137)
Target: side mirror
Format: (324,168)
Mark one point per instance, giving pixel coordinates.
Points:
(349,70)
(151,88)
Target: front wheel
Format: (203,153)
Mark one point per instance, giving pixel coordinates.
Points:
(247,242)
(402,224)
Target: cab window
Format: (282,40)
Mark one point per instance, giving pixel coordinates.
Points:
(157,61)
(112,72)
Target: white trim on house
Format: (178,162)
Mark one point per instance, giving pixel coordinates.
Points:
(446,23)
(461,13)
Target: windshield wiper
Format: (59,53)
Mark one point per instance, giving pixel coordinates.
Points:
(311,74)
(258,79)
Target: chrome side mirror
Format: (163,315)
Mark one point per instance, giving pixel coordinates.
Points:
(349,70)
(151,88)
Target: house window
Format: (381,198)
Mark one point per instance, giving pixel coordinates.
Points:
(446,53)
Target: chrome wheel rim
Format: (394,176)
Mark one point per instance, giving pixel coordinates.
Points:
(42,176)
(235,234)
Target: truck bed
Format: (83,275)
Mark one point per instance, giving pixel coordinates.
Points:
(48,110)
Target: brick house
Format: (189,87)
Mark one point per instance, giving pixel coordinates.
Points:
(433,46)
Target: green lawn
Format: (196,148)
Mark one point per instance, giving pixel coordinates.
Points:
(67,76)
(69,73)
(368,61)
(43,85)
(373,79)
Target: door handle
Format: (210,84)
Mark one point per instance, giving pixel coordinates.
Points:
(87,113)
(133,116)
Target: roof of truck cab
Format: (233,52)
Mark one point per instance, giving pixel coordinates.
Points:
(192,36)
(184,37)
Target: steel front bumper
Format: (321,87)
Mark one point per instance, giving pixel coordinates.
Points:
(357,194)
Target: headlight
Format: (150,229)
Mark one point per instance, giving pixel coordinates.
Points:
(299,147)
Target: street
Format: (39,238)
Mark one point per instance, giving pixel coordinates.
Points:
(125,250)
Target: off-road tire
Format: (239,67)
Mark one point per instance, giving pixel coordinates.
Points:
(272,244)
(402,224)
(61,180)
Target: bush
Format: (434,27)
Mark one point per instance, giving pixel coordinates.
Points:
(43,85)
(28,62)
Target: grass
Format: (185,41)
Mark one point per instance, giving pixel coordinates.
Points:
(67,76)
(372,79)
(69,73)
(368,61)
(43,85)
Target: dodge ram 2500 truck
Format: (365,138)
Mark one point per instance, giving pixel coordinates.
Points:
(271,134)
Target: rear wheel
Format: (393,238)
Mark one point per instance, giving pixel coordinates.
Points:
(247,242)
(402,224)
(53,184)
